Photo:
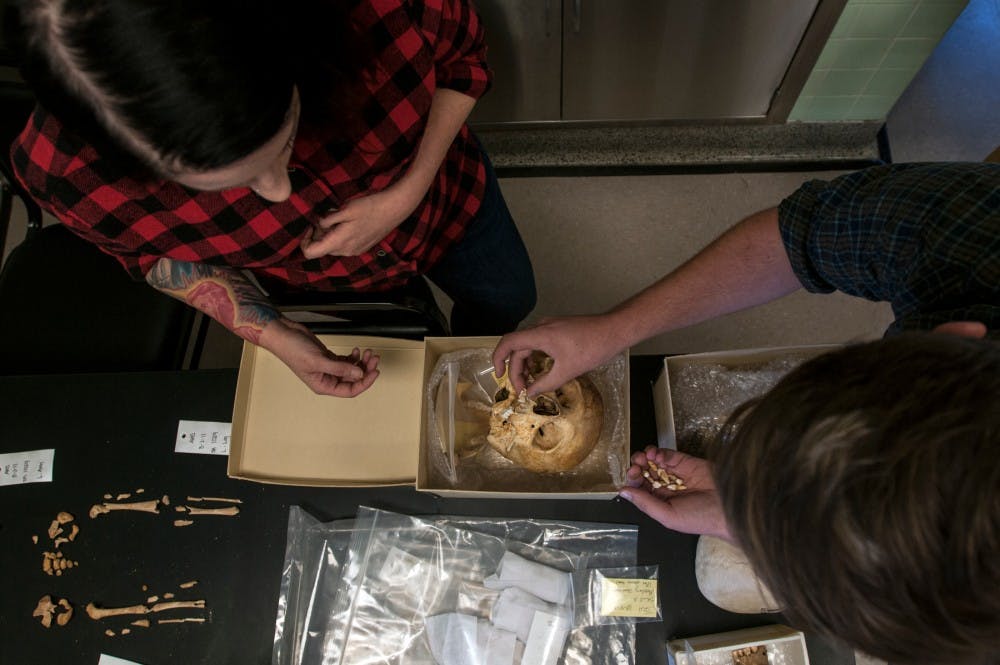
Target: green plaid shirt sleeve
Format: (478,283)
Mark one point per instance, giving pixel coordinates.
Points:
(923,237)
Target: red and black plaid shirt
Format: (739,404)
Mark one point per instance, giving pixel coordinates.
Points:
(419,47)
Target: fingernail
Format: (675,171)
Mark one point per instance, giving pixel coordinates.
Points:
(625,494)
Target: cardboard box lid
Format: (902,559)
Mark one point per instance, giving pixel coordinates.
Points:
(284,433)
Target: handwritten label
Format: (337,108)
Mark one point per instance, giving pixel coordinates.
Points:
(112,660)
(621,597)
(203,437)
(32,466)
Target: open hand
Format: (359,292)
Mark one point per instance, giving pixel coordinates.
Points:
(696,509)
(359,225)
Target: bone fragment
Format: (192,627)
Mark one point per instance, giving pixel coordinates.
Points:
(46,565)
(177,605)
(140,490)
(142,623)
(97,613)
(34,539)
(44,610)
(165,500)
(73,532)
(54,529)
(188,585)
(126,631)
(168,595)
(109,632)
(144,587)
(63,517)
(183,620)
(108,497)
(152,599)
(180,509)
(60,541)
(230,511)
(141,506)
(214,498)
(123,496)
(63,617)
(183,522)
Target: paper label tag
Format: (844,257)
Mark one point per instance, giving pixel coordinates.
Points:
(111,660)
(203,437)
(546,639)
(621,597)
(31,466)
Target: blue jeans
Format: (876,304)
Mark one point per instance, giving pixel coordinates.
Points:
(488,274)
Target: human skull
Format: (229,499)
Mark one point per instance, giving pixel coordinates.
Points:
(553,432)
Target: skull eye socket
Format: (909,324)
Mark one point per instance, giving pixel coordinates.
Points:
(501,395)
(546,406)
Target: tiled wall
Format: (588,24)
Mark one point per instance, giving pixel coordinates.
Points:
(873,53)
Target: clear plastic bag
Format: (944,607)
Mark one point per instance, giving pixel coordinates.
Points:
(615,596)
(349,592)
(459,396)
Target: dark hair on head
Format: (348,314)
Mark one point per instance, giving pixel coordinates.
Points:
(203,83)
(865,490)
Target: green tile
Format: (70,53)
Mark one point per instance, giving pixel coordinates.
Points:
(841,82)
(814,84)
(883,20)
(908,53)
(871,107)
(846,20)
(932,19)
(801,109)
(890,82)
(859,53)
(829,108)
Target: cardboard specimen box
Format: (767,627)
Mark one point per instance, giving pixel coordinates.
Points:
(664,401)
(285,434)
(751,645)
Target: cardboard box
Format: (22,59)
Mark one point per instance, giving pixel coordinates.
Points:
(666,430)
(285,434)
(787,645)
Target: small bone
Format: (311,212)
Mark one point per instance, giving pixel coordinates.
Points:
(122,496)
(109,632)
(178,604)
(63,517)
(165,500)
(97,613)
(188,585)
(60,541)
(73,532)
(142,623)
(141,506)
(140,490)
(214,498)
(108,497)
(45,609)
(47,565)
(126,631)
(54,529)
(183,522)
(180,509)
(168,595)
(230,511)
(144,587)
(34,539)
(152,599)
(184,620)
(63,617)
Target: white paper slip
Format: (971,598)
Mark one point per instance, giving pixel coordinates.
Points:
(546,639)
(203,437)
(111,660)
(31,466)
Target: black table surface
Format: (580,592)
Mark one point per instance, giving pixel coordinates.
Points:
(114,433)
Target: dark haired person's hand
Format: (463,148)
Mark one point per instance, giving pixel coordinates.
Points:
(576,344)
(360,224)
(696,509)
(319,368)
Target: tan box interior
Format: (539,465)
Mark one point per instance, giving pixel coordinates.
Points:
(283,433)
(719,645)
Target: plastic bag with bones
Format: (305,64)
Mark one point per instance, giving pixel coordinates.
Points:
(553,432)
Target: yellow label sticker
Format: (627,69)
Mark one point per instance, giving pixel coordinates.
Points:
(621,597)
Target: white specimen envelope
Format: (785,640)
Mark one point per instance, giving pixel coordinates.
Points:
(515,610)
(547,583)
(112,660)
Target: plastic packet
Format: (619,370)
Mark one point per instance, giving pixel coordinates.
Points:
(458,412)
(613,596)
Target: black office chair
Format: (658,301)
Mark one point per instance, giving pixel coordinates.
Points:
(65,306)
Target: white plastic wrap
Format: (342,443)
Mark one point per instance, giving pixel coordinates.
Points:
(459,394)
(389,588)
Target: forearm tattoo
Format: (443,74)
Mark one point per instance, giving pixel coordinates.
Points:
(222,293)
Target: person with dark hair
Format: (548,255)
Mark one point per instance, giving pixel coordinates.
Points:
(218,149)
(865,487)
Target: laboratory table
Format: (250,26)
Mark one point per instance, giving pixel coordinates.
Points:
(115,433)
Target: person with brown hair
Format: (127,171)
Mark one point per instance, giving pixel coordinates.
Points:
(865,487)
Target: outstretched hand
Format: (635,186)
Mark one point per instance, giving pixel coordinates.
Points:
(696,509)
(576,344)
(325,372)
